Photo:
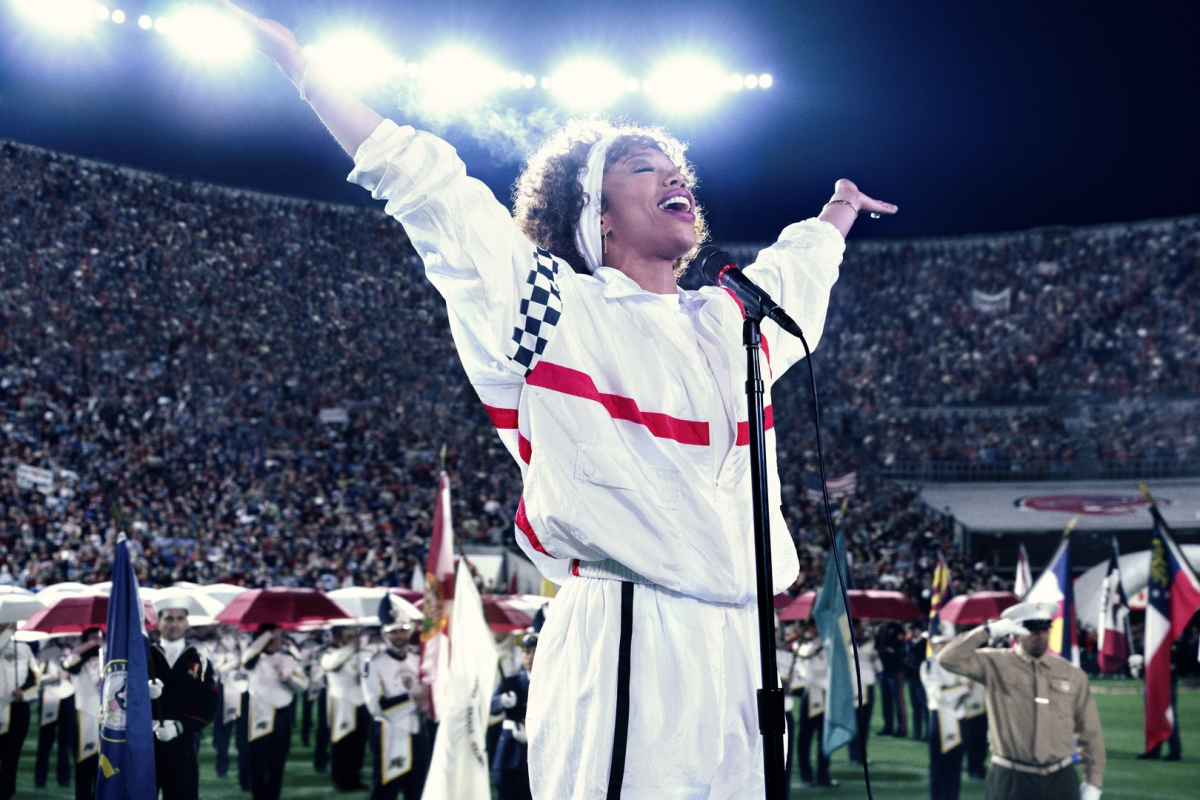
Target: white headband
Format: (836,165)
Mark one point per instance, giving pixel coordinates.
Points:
(588,240)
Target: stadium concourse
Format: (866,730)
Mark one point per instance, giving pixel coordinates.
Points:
(262,386)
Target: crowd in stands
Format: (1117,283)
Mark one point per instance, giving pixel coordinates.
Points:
(168,347)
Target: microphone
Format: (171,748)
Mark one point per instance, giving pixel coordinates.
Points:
(719,269)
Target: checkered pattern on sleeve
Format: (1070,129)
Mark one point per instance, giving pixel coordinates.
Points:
(539,312)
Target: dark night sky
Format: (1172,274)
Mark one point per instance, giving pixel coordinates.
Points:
(973,117)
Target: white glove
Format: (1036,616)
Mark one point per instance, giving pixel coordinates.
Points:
(520,735)
(1006,627)
(1136,662)
(789,703)
(156,688)
(508,700)
(167,730)
(1089,792)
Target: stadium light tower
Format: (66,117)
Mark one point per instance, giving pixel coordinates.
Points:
(587,84)
(687,84)
(60,17)
(359,61)
(205,35)
(456,79)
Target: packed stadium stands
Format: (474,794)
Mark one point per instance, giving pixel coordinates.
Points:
(260,387)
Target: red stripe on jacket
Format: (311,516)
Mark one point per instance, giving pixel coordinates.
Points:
(527,529)
(502,418)
(572,382)
(743,434)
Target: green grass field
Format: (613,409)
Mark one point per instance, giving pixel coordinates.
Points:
(899,768)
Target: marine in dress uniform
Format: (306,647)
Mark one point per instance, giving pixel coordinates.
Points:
(945,694)
(1039,706)
(56,717)
(349,722)
(275,680)
(19,675)
(510,767)
(86,665)
(394,695)
(187,703)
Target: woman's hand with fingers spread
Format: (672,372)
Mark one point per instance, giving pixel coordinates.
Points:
(269,37)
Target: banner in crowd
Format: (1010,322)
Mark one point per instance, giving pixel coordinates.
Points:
(126,770)
(1112,649)
(439,589)
(838,487)
(463,695)
(833,624)
(31,477)
(997,303)
(1056,585)
(1174,598)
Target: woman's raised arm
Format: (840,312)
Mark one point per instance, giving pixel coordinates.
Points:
(349,119)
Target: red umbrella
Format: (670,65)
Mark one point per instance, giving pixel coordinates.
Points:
(290,608)
(503,616)
(75,613)
(977,608)
(865,604)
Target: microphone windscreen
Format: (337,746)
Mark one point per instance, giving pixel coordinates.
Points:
(711,260)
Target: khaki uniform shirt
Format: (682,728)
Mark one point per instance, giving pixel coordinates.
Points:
(1035,705)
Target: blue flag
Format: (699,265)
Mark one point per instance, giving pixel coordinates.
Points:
(126,723)
(833,623)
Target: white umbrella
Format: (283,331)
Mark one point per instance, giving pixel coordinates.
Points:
(363,602)
(66,587)
(225,592)
(18,608)
(7,590)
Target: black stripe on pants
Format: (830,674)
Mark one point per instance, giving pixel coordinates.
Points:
(616,772)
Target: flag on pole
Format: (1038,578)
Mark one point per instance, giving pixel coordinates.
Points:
(1173,599)
(463,694)
(838,487)
(1055,585)
(1112,650)
(938,595)
(1024,578)
(833,624)
(126,770)
(439,589)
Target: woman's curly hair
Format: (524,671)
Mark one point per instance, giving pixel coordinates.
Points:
(548,196)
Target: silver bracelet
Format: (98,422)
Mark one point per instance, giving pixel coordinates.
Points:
(304,79)
(830,203)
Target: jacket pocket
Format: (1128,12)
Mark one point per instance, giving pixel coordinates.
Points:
(601,466)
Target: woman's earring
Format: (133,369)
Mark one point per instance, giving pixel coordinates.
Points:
(604,242)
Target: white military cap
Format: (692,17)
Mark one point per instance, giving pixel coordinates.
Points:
(1033,614)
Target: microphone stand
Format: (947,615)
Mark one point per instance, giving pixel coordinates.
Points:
(770,697)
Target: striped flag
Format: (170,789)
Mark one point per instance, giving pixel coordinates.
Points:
(939,594)
(1055,585)
(1173,599)
(1024,578)
(1112,650)
(439,588)
(838,487)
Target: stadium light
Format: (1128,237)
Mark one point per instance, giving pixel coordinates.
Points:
(751,81)
(60,17)
(359,61)
(102,13)
(587,84)
(118,16)
(687,84)
(765,81)
(456,78)
(206,35)
(145,22)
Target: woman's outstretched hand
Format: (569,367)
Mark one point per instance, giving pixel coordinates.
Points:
(847,190)
(272,39)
